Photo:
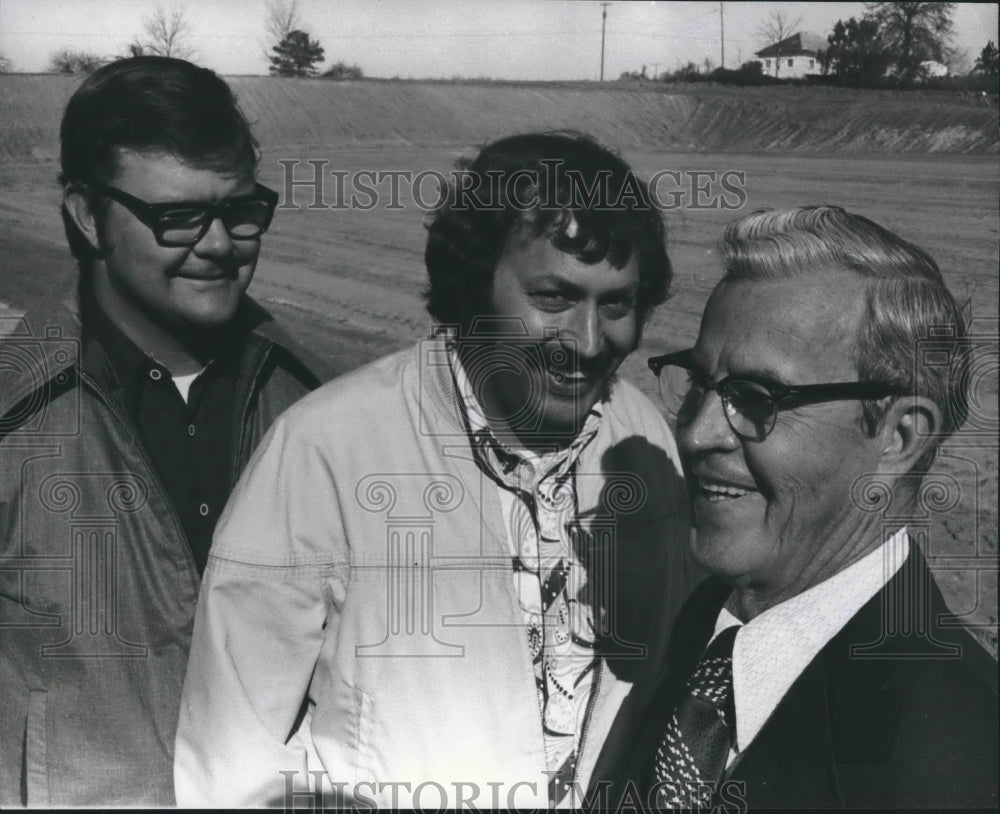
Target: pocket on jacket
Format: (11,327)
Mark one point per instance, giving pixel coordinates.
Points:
(36,762)
(341,728)
(363,757)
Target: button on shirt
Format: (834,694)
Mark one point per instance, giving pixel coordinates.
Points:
(774,648)
(188,441)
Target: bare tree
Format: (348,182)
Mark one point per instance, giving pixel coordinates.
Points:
(6,66)
(778,26)
(166,33)
(282,18)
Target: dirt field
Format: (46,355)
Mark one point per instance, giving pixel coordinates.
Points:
(348,282)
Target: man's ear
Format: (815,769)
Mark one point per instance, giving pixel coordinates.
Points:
(79,209)
(909,430)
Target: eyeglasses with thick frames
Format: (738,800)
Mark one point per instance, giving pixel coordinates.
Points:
(177,224)
(751,405)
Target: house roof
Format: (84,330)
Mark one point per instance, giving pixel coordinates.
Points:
(799,44)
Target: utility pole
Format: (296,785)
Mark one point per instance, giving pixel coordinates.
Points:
(656,70)
(604,19)
(722,35)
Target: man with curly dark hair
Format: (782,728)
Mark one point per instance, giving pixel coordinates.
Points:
(442,574)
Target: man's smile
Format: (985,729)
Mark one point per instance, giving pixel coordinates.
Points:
(718,488)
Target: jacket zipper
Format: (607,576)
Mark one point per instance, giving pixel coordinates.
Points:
(154,476)
(591,703)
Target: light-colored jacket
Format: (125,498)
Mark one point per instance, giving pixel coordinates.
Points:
(97,580)
(362,563)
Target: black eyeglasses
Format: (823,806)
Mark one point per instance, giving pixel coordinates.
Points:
(751,406)
(184,223)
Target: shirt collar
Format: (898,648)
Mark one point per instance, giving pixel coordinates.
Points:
(774,648)
(109,355)
(117,362)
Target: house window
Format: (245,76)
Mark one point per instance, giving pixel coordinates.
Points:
(812,63)
(790,63)
(767,64)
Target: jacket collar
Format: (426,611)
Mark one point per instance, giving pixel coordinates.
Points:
(442,409)
(48,342)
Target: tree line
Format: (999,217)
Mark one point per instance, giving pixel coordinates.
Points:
(891,45)
(168,32)
(896,40)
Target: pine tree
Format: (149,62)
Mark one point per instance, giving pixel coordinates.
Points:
(988,61)
(856,54)
(296,55)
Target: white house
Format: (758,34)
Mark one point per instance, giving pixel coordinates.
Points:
(793,57)
(929,69)
(933,69)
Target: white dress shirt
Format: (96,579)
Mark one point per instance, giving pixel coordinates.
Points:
(774,648)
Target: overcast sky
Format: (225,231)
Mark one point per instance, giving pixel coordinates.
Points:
(516,39)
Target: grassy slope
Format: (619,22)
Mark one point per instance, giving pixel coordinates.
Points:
(297,113)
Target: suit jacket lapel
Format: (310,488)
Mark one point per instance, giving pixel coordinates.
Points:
(791,761)
(844,708)
(868,660)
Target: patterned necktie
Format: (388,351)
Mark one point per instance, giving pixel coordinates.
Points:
(694,749)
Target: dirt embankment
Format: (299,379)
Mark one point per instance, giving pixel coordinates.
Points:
(804,120)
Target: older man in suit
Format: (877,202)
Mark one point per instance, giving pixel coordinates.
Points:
(817,665)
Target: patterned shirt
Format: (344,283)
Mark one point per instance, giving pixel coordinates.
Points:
(537,493)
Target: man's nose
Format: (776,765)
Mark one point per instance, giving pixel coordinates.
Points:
(702,426)
(216,241)
(586,331)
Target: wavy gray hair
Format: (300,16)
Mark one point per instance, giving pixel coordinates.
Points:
(907,302)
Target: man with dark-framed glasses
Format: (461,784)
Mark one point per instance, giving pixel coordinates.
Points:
(818,666)
(126,414)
